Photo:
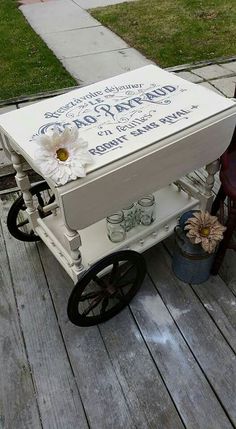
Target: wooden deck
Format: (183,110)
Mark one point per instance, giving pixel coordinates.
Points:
(166,362)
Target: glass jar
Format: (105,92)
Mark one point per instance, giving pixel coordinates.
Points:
(115,227)
(129,217)
(145,211)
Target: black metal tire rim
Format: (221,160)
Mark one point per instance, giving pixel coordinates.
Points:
(111,292)
(19,206)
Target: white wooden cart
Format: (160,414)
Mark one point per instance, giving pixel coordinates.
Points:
(146,129)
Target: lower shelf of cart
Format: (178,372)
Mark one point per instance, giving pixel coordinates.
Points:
(170,204)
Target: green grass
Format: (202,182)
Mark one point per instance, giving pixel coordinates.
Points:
(27,66)
(173,32)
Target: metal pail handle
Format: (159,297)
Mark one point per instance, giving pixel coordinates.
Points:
(177,230)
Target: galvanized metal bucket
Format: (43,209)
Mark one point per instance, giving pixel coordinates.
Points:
(190,262)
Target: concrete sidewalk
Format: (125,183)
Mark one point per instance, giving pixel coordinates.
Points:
(91,52)
(88,50)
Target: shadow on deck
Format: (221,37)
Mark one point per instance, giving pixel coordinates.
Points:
(166,362)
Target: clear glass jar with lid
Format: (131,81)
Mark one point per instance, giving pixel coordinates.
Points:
(115,227)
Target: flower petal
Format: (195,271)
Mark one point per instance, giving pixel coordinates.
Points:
(61,171)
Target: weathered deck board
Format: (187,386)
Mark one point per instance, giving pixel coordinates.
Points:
(221,305)
(211,350)
(101,392)
(162,364)
(186,382)
(146,395)
(18,406)
(218,301)
(191,405)
(57,394)
(228,270)
(139,377)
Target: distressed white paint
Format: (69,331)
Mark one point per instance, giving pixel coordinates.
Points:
(148,128)
(116,103)
(95,243)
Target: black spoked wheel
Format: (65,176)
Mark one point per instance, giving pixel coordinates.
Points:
(17,220)
(106,288)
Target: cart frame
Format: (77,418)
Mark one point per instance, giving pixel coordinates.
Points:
(65,243)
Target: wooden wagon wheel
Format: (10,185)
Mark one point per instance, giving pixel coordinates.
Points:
(17,220)
(106,288)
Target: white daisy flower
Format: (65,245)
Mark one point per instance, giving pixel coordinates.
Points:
(62,156)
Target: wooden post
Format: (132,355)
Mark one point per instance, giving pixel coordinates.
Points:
(73,243)
(211,169)
(24,185)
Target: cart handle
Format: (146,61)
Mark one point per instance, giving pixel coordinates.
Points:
(50,207)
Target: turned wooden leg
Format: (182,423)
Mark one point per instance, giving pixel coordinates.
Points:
(216,203)
(73,243)
(23,183)
(212,169)
(224,245)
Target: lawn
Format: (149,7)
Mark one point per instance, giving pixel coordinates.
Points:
(27,65)
(173,32)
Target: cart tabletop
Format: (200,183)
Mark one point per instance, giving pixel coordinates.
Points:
(118,116)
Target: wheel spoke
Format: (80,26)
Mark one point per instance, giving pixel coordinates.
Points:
(40,199)
(17,224)
(51,199)
(120,296)
(93,305)
(100,282)
(128,269)
(122,292)
(114,273)
(23,223)
(90,295)
(104,305)
(128,283)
